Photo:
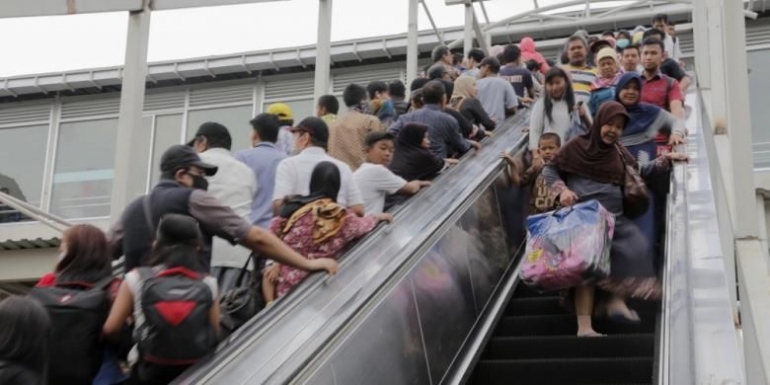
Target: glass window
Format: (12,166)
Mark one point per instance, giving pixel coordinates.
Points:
(759,83)
(22,160)
(168,130)
(301,109)
(236,119)
(83,172)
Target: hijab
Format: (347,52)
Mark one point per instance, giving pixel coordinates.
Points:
(463,89)
(529,52)
(410,160)
(588,156)
(640,115)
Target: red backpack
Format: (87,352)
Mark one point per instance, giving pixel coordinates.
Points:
(177,305)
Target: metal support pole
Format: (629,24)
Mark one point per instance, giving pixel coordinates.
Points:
(701,40)
(484,39)
(739,118)
(468,30)
(131,105)
(484,11)
(412,48)
(323,49)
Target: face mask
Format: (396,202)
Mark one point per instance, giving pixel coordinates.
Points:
(622,43)
(199,182)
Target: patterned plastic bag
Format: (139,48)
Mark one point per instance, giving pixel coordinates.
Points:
(568,247)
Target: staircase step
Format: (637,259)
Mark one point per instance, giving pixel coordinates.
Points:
(597,371)
(540,347)
(566,324)
(534,306)
(523,291)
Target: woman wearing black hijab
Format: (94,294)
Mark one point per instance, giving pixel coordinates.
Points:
(592,166)
(316,227)
(411,159)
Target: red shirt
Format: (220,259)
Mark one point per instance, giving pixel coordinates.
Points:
(660,90)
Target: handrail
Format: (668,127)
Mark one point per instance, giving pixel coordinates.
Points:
(287,335)
(699,343)
(46,218)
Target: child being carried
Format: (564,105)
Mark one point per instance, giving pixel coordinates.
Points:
(522,174)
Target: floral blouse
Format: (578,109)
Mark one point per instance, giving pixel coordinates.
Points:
(300,238)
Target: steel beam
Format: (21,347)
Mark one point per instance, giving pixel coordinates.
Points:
(468,29)
(484,41)
(323,49)
(412,46)
(739,117)
(439,35)
(28,8)
(131,104)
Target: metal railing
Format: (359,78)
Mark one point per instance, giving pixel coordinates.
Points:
(57,223)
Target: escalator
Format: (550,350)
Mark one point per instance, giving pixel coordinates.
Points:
(435,299)
(535,343)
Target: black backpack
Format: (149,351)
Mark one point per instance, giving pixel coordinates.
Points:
(177,326)
(78,311)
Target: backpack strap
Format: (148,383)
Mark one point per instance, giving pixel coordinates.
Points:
(103,283)
(148,215)
(145,273)
(669,85)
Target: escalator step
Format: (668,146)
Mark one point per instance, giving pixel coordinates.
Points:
(523,290)
(599,371)
(549,304)
(612,346)
(534,306)
(565,324)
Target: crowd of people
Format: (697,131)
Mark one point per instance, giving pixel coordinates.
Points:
(305,190)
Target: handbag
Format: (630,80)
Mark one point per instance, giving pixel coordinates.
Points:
(636,198)
(239,304)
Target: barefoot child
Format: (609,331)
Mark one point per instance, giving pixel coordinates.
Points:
(541,200)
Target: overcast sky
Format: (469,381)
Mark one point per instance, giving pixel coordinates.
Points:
(62,43)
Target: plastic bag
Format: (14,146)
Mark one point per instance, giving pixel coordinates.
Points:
(568,247)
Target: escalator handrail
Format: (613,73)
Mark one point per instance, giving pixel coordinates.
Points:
(698,341)
(348,291)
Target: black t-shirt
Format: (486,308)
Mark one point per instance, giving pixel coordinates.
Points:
(519,77)
(671,68)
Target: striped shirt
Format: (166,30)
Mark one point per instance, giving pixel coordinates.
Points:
(582,79)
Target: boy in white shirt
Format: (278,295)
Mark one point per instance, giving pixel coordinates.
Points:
(373,178)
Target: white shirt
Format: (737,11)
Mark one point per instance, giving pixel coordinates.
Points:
(285,140)
(375,182)
(293,176)
(668,43)
(234,186)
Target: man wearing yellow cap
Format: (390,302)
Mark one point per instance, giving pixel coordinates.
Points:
(285,140)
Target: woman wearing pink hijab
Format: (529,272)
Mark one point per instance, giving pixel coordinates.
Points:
(528,52)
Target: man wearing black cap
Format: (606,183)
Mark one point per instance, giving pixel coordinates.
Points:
(234,185)
(182,190)
(292,177)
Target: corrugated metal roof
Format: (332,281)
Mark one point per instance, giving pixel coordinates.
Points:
(22,244)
